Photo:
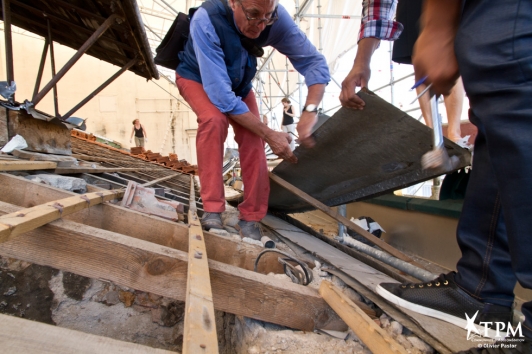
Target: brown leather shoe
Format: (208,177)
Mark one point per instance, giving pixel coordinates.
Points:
(251,229)
(211,221)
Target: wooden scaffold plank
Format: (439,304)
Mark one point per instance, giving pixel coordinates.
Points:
(26,165)
(374,337)
(200,326)
(18,335)
(28,219)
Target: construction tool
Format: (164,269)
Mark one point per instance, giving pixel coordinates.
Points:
(438,157)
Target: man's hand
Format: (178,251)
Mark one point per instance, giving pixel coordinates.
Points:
(359,74)
(434,58)
(278,141)
(280,144)
(304,128)
(434,55)
(357,77)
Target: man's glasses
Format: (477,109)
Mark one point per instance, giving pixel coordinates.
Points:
(257,21)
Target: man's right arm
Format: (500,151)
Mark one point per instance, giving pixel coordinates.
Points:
(434,55)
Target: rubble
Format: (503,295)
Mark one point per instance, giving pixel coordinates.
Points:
(71,184)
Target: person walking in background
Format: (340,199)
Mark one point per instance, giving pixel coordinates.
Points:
(288,125)
(141,136)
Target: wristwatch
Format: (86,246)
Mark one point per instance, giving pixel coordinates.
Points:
(311,108)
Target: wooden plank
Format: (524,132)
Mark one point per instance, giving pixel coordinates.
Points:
(345,221)
(145,266)
(25,193)
(26,165)
(18,335)
(447,335)
(200,326)
(391,311)
(28,219)
(374,337)
(61,160)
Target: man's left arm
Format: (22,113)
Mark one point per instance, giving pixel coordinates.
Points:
(289,40)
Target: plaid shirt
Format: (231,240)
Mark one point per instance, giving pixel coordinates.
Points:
(378,20)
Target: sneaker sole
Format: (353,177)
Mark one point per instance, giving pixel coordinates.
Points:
(457,321)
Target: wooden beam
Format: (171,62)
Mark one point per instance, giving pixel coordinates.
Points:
(18,335)
(345,221)
(26,165)
(160,270)
(199,332)
(28,219)
(374,337)
(25,193)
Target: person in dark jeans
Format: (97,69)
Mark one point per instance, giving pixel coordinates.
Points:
(408,14)
(489,43)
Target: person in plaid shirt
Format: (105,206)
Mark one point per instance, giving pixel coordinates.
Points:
(377,23)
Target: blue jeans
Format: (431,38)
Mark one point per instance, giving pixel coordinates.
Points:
(494,52)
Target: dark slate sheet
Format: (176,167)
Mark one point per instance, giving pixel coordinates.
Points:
(359,155)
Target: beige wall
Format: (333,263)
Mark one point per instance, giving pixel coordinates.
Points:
(112,111)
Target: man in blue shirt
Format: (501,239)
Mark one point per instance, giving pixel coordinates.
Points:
(214,77)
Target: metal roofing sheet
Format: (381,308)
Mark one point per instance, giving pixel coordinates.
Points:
(74,21)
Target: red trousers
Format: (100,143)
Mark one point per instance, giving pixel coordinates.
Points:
(212,132)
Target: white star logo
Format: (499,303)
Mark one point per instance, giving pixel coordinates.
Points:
(471,325)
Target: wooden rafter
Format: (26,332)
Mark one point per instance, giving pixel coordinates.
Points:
(151,267)
(200,326)
(29,219)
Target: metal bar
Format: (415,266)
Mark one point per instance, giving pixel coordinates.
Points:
(150,12)
(168,92)
(169,6)
(343,17)
(52,62)
(303,8)
(377,89)
(92,39)
(101,87)
(41,68)
(394,82)
(152,31)
(342,210)
(10,72)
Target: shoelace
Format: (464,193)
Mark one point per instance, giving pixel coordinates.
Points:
(439,281)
